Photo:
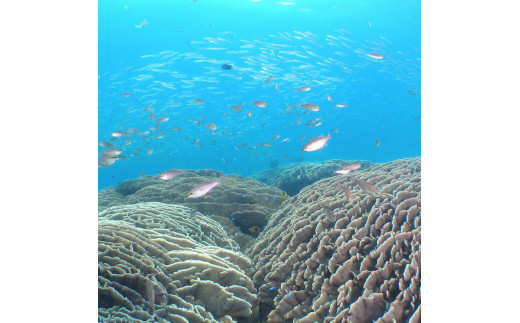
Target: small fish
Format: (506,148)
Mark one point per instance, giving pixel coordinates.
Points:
(310,107)
(248,114)
(377,142)
(195,141)
(283,195)
(368,188)
(347,192)
(226,66)
(149,152)
(347,168)
(202,189)
(120,157)
(339,105)
(265,144)
(329,98)
(260,104)
(254,229)
(303,89)
(334,130)
(141,174)
(197,101)
(316,143)
(106,161)
(276,87)
(133,130)
(125,95)
(316,124)
(211,126)
(112,152)
(141,25)
(163,119)
(375,55)
(150,295)
(412,92)
(236,108)
(269,79)
(117,134)
(105,144)
(151,116)
(169,174)
(328,211)
(176,129)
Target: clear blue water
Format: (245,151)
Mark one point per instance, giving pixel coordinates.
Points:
(176,56)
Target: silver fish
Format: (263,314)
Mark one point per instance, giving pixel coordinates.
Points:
(150,295)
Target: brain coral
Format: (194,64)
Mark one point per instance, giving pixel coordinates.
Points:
(293,177)
(171,261)
(323,258)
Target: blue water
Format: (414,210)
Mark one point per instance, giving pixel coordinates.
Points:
(175,58)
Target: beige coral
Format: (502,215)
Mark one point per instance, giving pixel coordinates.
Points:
(196,270)
(362,265)
(246,195)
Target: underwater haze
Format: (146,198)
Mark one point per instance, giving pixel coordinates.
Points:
(177,80)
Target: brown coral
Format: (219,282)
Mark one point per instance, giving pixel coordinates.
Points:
(293,177)
(196,271)
(361,265)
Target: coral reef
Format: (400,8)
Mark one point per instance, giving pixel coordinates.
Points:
(245,195)
(169,263)
(293,177)
(326,258)
(109,197)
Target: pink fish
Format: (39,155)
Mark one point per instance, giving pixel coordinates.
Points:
(375,55)
(347,168)
(316,143)
(169,174)
(202,189)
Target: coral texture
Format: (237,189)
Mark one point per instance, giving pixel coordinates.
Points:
(293,177)
(325,258)
(246,194)
(169,263)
